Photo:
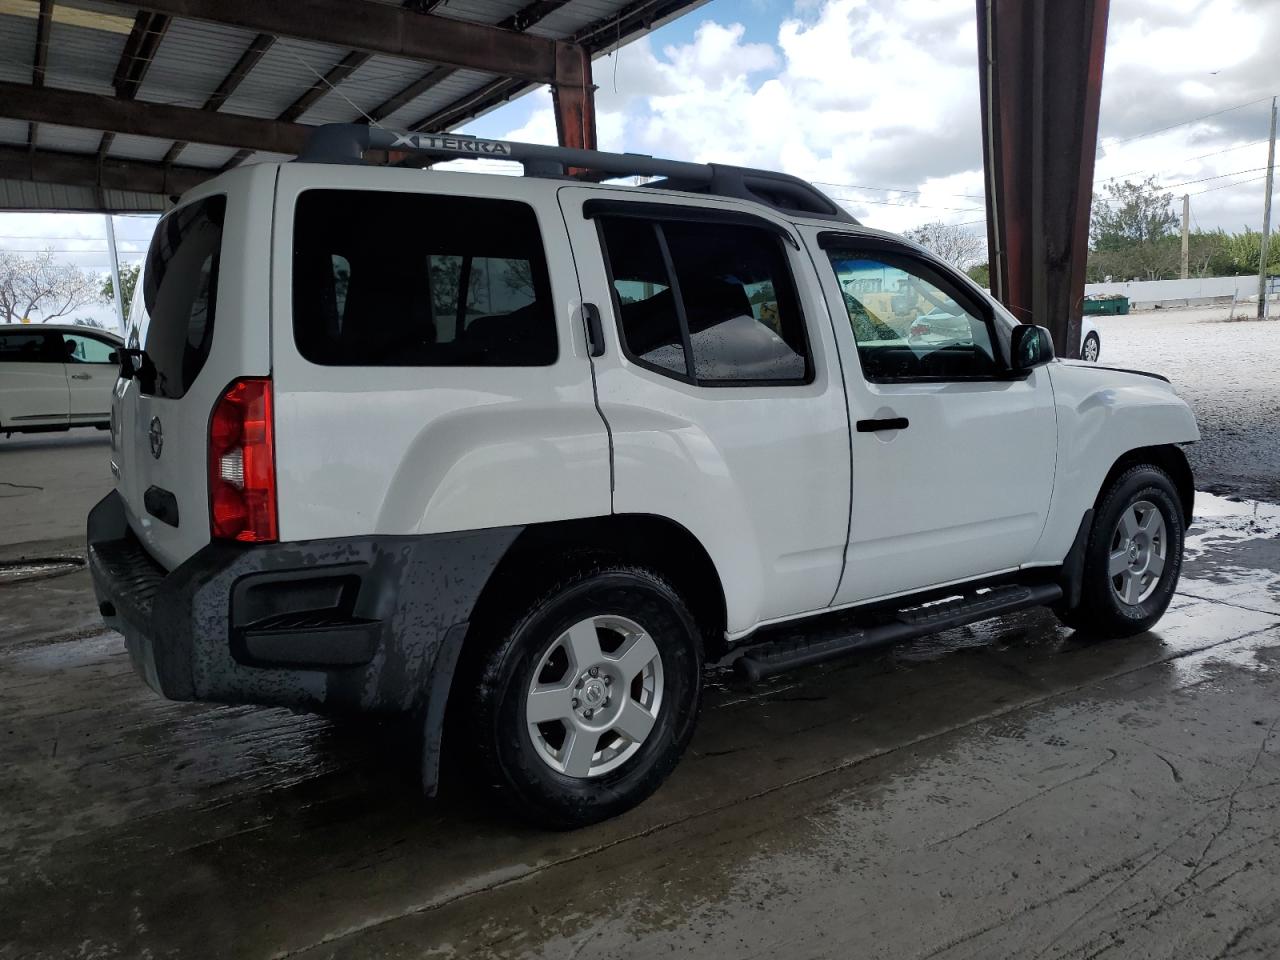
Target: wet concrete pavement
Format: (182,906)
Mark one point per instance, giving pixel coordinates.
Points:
(1008,789)
(48,482)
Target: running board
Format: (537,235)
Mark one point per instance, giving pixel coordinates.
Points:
(820,645)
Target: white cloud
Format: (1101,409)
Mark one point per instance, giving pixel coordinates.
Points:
(877,93)
(860,94)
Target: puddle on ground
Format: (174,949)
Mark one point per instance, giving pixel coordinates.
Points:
(1233,552)
(36,568)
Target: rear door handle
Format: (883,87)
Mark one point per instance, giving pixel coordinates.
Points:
(888,423)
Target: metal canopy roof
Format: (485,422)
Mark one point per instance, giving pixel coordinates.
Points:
(116,106)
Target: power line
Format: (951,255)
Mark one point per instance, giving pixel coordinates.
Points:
(913,206)
(1183,123)
(1172,165)
(857,186)
(1188,183)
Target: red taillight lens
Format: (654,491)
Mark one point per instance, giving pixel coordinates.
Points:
(242,467)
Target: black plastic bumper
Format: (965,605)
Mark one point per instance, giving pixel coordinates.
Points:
(366,623)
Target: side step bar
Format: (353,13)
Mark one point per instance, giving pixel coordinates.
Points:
(818,646)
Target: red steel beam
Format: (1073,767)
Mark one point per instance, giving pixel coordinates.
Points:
(573,97)
(1040,70)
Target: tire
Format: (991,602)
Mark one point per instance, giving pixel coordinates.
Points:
(1092,349)
(619,760)
(1136,597)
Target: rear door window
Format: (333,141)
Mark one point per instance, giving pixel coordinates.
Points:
(712,303)
(29,347)
(392,279)
(179,286)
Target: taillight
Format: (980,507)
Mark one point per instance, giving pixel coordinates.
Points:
(242,468)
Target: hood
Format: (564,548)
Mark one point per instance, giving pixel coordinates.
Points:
(1086,365)
(1142,402)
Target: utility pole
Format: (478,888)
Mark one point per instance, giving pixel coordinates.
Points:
(1266,218)
(115,273)
(1186,235)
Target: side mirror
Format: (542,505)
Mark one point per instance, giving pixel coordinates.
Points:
(113,357)
(1030,347)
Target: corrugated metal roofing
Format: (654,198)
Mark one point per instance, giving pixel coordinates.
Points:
(25,195)
(88,40)
(191,62)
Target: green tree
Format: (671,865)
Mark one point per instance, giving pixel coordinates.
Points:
(980,273)
(128,282)
(1131,213)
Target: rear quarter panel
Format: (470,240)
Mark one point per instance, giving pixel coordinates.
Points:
(403,450)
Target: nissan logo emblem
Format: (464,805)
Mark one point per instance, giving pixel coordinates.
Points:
(156,436)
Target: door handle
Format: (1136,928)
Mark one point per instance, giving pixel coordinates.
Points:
(887,423)
(82,376)
(595,329)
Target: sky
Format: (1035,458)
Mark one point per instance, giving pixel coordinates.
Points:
(876,101)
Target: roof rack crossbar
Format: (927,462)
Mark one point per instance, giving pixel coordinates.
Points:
(349,142)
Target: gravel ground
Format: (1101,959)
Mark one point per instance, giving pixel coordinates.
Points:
(1229,371)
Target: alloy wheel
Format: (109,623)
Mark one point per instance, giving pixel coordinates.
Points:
(595,696)
(1137,556)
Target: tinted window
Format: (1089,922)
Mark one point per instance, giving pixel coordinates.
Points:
(645,304)
(24,347)
(389,279)
(82,349)
(732,299)
(179,284)
(736,287)
(909,323)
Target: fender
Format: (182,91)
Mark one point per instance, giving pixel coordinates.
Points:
(1103,414)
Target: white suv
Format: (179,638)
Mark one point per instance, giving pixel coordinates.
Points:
(536,448)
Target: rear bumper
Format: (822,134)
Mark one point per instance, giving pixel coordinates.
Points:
(365,623)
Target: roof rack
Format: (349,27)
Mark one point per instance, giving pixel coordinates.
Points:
(349,142)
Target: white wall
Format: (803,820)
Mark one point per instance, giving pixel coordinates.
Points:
(1149,292)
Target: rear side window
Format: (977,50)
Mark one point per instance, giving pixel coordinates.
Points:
(179,282)
(709,302)
(24,347)
(392,279)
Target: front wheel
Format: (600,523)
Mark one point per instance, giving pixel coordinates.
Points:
(1092,348)
(1133,556)
(588,699)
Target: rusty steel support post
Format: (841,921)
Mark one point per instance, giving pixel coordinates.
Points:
(574,98)
(1040,67)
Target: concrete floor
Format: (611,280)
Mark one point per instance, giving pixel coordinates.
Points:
(1004,790)
(1226,370)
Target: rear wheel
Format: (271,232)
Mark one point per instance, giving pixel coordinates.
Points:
(1133,556)
(589,697)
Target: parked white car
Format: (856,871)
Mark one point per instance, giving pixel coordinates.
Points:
(539,448)
(939,325)
(55,376)
(1090,340)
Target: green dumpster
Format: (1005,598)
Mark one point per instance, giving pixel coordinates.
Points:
(1106,305)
